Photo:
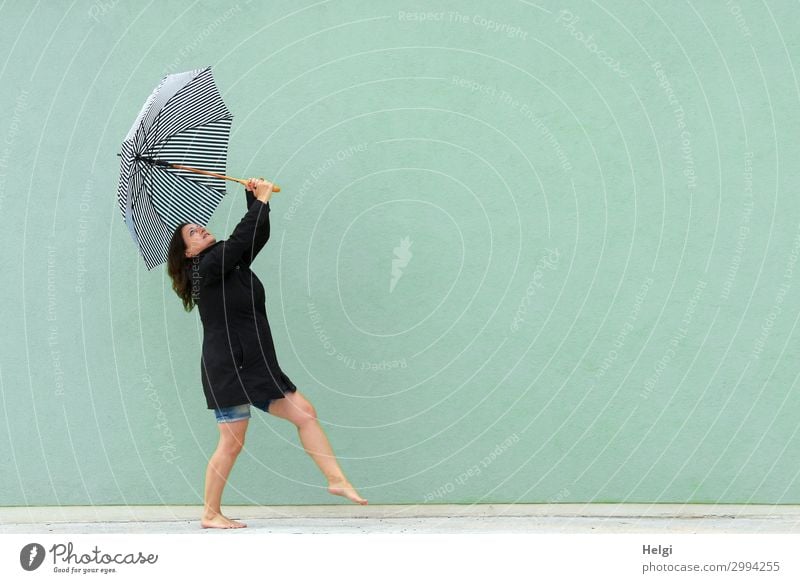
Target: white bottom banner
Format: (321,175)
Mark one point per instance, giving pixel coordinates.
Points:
(230,554)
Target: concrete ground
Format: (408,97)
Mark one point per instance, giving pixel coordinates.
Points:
(429,518)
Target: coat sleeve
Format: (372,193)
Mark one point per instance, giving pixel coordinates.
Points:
(262,233)
(224,257)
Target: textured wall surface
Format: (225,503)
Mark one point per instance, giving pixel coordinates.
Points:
(523,252)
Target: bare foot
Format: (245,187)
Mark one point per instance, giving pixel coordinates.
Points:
(345,488)
(220,521)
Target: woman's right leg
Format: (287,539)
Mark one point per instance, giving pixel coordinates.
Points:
(297,409)
(231,440)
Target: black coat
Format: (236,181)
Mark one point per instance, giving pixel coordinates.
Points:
(238,364)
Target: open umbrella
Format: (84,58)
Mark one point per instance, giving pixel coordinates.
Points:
(173,161)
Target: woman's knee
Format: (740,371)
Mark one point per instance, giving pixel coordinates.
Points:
(307,412)
(230,447)
(299,410)
(231,437)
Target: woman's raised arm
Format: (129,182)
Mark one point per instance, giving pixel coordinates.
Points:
(224,256)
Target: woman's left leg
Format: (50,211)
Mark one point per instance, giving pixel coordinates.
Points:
(296,408)
(231,441)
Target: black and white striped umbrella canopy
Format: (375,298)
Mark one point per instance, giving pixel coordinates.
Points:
(185,122)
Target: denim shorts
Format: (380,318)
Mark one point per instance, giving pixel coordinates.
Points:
(239,412)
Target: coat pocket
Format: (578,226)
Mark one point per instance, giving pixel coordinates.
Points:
(237,350)
(250,345)
(221,352)
(245,349)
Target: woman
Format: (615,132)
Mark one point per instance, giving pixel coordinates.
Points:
(238,365)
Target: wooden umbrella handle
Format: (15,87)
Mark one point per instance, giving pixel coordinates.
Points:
(241,181)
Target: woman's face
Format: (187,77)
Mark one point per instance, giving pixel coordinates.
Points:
(196,238)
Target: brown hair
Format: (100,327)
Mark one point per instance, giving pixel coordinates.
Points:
(177,264)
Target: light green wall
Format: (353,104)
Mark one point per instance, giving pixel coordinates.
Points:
(640,216)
